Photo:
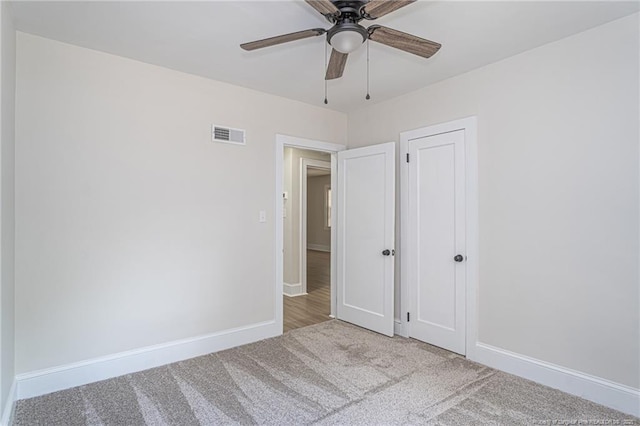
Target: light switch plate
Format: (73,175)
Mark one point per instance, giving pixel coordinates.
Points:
(263,216)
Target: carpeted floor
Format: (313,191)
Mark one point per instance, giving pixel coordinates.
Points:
(330,373)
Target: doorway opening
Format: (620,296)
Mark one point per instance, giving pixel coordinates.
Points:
(307,237)
(360,211)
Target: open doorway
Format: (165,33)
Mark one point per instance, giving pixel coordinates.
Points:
(362,230)
(307,237)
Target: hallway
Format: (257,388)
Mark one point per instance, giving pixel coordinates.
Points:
(315,306)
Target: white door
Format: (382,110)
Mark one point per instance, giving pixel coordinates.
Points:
(437,240)
(365,246)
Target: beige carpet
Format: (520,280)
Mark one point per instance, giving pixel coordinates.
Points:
(330,373)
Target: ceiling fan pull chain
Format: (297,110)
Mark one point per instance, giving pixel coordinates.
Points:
(367,97)
(325,68)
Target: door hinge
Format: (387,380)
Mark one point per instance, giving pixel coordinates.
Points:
(408,317)
(407,157)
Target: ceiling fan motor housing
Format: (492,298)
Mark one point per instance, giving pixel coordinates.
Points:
(348,10)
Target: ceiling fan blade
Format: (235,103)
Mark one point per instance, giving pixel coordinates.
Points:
(285,38)
(325,7)
(403,41)
(336,65)
(378,8)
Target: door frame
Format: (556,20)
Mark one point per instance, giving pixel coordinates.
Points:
(301,143)
(306,163)
(469,125)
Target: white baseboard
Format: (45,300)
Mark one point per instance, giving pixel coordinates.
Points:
(398,328)
(80,373)
(7,412)
(614,395)
(319,247)
(292,290)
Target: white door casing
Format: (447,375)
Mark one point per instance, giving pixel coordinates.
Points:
(410,260)
(365,222)
(304,164)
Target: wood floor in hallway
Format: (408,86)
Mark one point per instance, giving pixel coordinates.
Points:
(315,306)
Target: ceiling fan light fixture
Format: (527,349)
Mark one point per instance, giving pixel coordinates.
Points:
(345,36)
(346,41)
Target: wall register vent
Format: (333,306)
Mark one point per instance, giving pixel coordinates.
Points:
(227,135)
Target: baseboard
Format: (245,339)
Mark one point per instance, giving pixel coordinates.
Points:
(80,373)
(7,412)
(319,247)
(292,290)
(398,328)
(614,395)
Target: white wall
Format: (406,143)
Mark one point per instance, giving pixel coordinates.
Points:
(558,194)
(293,167)
(318,235)
(132,227)
(7,218)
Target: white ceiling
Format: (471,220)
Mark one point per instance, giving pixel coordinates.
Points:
(203,38)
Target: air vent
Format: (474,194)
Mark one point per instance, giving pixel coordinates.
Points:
(227,135)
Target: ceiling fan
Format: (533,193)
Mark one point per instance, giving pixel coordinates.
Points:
(346,34)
